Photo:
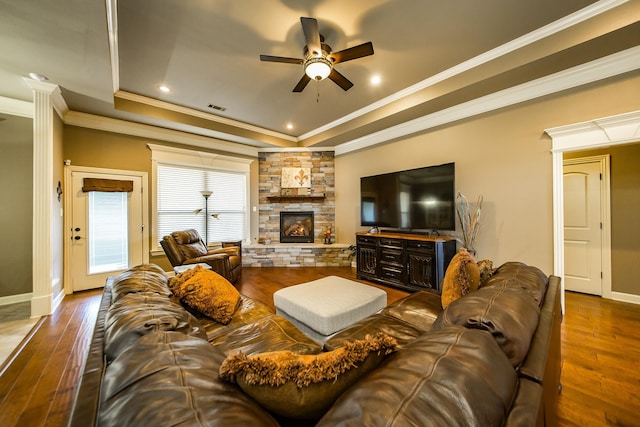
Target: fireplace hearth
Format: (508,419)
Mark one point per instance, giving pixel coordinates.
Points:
(296,227)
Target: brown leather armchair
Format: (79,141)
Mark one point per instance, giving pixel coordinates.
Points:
(187,247)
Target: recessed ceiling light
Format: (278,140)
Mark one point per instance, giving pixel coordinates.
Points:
(289,126)
(375,80)
(164,89)
(38,77)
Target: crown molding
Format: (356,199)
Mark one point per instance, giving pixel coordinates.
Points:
(612,130)
(575,18)
(200,114)
(181,155)
(590,72)
(16,107)
(295,149)
(57,100)
(90,121)
(582,15)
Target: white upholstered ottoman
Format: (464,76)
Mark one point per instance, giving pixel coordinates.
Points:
(322,307)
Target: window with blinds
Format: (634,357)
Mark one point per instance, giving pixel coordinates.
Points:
(181,206)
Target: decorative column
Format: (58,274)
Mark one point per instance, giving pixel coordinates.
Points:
(43,301)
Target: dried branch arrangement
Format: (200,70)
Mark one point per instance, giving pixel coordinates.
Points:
(469,220)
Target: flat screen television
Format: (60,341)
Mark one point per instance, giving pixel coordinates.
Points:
(416,199)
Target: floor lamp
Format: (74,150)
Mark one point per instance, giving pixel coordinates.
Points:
(206,195)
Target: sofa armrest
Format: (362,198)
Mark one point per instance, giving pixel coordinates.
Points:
(528,406)
(545,343)
(231,251)
(219,263)
(543,363)
(86,402)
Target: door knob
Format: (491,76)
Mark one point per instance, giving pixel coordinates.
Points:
(77,229)
(77,238)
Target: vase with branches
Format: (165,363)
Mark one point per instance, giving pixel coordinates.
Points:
(469,221)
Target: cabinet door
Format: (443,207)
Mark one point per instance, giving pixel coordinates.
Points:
(422,270)
(367,261)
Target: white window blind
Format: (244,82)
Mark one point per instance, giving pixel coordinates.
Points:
(181,206)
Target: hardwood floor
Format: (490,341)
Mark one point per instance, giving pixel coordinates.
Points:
(600,352)
(600,362)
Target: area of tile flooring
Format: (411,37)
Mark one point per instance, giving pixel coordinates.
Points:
(15,323)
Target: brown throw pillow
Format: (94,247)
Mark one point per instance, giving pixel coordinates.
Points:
(305,386)
(462,276)
(207,292)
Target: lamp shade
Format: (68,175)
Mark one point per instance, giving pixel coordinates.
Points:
(318,68)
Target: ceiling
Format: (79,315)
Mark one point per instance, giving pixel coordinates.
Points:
(109,57)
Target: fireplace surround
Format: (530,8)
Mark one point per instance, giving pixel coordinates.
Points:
(296,227)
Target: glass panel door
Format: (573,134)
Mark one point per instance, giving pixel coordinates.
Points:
(108,232)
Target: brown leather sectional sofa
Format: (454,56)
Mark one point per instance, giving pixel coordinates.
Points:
(491,358)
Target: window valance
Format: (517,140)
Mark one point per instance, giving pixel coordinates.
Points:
(106,185)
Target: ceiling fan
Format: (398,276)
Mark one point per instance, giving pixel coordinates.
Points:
(318,58)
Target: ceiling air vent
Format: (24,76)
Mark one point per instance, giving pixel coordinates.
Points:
(217,107)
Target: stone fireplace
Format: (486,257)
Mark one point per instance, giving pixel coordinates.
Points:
(296,227)
(269,250)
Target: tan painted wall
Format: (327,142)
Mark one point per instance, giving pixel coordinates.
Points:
(94,148)
(504,155)
(625,205)
(16,209)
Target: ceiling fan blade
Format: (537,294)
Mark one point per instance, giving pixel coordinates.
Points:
(311,34)
(365,49)
(269,58)
(302,83)
(340,80)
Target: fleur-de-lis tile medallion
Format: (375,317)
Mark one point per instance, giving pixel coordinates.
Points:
(296,178)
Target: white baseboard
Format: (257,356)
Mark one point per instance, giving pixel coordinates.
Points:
(57,301)
(619,296)
(14,299)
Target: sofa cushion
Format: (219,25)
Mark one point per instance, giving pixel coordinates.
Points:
(248,311)
(462,276)
(402,331)
(269,333)
(208,292)
(169,378)
(451,377)
(304,386)
(137,314)
(509,315)
(517,275)
(148,278)
(419,309)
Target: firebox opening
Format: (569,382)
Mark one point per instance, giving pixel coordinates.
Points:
(296,227)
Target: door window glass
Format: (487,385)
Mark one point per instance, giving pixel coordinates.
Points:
(108,232)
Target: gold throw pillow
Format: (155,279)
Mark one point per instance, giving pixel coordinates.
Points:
(207,292)
(462,276)
(305,386)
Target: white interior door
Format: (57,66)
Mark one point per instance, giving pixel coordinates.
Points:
(107,231)
(583,227)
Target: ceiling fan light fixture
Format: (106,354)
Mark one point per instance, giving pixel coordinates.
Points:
(317,67)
